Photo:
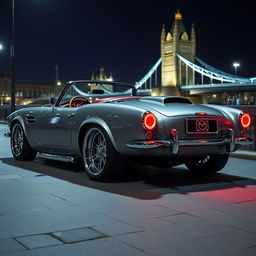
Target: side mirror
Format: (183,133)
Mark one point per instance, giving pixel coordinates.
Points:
(52,101)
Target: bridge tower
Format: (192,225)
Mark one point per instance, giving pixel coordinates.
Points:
(177,40)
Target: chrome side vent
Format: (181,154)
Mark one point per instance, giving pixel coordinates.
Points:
(30,119)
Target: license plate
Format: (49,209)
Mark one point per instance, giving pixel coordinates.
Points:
(201,126)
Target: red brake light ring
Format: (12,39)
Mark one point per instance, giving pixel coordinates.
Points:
(149,121)
(245,120)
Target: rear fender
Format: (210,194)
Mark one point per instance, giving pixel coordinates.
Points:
(95,121)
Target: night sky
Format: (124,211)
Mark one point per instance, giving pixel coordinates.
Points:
(80,36)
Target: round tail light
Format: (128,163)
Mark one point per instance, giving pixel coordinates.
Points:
(245,120)
(149,121)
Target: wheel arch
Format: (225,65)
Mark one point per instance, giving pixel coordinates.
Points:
(18,119)
(94,121)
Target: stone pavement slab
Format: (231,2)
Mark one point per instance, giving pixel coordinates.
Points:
(117,228)
(37,241)
(237,243)
(78,235)
(10,245)
(98,247)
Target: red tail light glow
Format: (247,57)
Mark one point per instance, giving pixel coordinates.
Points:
(201,114)
(245,120)
(149,121)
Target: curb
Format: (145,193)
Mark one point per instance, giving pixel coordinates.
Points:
(250,155)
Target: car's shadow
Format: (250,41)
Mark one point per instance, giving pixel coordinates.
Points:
(142,182)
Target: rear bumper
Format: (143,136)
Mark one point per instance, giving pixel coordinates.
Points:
(176,146)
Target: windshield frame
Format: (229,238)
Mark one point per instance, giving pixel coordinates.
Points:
(68,84)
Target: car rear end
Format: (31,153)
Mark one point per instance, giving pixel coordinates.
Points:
(190,130)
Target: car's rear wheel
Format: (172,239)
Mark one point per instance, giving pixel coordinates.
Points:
(207,164)
(101,160)
(20,147)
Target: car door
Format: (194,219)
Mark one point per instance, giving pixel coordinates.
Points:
(56,125)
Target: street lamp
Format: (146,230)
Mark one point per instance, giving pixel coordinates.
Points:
(1,47)
(13,59)
(236,65)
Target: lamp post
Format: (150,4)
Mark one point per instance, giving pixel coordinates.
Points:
(236,65)
(12,53)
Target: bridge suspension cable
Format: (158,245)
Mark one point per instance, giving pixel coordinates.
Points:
(148,76)
(216,75)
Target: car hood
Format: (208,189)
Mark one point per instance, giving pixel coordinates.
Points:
(173,106)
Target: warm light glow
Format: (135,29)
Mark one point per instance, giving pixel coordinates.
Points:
(178,15)
(173,132)
(149,121)
(201,114)
(245,120)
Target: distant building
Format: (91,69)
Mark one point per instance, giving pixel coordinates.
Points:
(102,76)
(27,92)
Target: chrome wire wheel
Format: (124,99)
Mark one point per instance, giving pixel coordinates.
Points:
(95,151)
(17,140)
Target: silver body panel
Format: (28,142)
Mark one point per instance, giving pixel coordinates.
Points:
(60,130)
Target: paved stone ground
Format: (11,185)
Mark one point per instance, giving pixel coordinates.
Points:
(49,208)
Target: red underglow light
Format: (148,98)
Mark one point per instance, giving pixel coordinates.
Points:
(149,121)
(245,120)
(230,195)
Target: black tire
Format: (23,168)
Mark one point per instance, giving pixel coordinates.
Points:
(101,160)
(208,164)
(20,147)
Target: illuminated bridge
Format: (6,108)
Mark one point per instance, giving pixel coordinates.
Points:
(207,77)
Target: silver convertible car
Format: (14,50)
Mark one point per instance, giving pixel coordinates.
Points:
(105,123)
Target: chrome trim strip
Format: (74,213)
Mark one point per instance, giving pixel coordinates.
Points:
(243,141)
(149,144)
(153,144)
(68,159)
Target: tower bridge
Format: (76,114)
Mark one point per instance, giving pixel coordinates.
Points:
(179,72)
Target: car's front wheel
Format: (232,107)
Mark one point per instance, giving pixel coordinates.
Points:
(20,147)
(207,164)
(101,160)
